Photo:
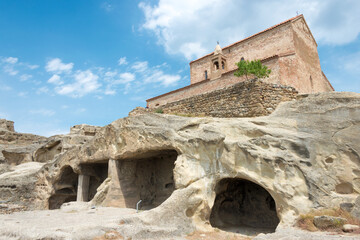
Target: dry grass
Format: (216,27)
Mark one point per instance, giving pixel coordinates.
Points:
(215,235)
(306,221)
(112,235)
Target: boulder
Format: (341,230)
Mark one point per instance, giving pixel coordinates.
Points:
(347,206)
(350,228)
(323,222)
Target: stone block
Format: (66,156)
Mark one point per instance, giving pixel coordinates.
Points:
(325,221)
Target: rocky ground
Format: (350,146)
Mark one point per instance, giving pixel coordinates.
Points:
(82,221)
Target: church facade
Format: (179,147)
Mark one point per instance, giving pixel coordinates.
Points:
(288,49)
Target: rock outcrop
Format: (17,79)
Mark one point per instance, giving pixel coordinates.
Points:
(16,148)
(200,173)
(22,158)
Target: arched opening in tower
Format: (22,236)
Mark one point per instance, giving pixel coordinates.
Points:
(147,177)
(65,188)
(244,207)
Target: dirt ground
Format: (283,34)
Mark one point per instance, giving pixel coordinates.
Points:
(80,222)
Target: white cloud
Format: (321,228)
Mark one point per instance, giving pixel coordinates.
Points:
(42,90)
(109,91)
(110,74)
(43,112)
(158,76)
(122,61)
(125,78)
(85,82)
(32,67)
(9,69)
(11,60)
(55,79)
(191,28)
(57,66)
(140,66)
(25,77)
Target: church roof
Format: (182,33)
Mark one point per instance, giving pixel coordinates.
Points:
(268,29)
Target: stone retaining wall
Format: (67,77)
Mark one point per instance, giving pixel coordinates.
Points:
(245,99)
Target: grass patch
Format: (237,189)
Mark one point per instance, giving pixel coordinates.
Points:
(159,110)
(305,221)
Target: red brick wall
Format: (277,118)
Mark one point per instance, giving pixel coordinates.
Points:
(226,80)
(308,77)
(296,63)
(273,42)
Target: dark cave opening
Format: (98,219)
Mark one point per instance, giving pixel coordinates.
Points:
(98,172)
(65,188)
(149,178)
(244,207)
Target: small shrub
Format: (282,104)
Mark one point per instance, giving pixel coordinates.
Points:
(159,110)
(255,68)
(305,221)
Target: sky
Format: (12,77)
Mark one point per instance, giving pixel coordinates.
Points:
(65,62)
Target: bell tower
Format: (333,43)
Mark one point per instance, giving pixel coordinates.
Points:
(218,63)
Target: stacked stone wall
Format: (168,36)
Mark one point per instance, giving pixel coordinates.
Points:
(245,99)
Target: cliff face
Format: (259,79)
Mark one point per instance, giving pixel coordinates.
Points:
(22,156)
(203,172)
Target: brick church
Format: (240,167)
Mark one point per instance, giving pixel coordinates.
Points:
(288,49)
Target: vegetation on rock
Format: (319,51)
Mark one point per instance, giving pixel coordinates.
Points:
(306,221)
(253,67)
(159,110)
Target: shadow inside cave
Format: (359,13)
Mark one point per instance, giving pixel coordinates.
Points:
(243,207)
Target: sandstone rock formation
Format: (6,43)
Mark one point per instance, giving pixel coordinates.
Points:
(200,173)
(22,156)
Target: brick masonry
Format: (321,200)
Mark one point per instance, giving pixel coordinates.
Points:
(288,49)
(245,99)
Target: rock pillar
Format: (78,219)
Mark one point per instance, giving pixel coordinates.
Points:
(83,188)
(114,169)
(115,197)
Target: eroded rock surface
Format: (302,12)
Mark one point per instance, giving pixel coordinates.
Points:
(303,156)
(22,160)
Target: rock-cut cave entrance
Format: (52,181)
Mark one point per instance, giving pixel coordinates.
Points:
(244,207)
(147,177)
(96,173)
(65,188)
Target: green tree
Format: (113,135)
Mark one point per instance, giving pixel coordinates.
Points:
(254,67)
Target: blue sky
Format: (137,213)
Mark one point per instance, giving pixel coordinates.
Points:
(66,62)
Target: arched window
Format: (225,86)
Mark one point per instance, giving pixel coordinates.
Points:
(242,59)
(206,75)
(222,65)
(216,65)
